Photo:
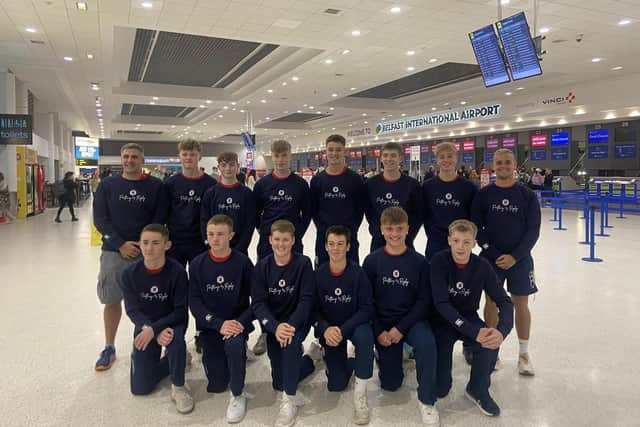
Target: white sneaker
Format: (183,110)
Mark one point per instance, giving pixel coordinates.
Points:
(261,345)
(430,415)
(315,351)
(498,365)
(360,409)
(288,411)
(181,396)
(237,408)
(525,367)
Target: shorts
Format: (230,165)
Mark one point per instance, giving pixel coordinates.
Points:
(520,278)
(112,264)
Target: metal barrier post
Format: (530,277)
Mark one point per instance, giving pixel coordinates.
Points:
(559,208)
(606,217)
(602,216)
(586,227)
(592,249)
(621,214)
(555,211)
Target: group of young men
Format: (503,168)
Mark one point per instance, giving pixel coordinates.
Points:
(152,230)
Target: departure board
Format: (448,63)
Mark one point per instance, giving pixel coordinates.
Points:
(489,56)
(518,47)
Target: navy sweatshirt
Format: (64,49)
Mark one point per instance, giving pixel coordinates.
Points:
(405,192)
(122,208)
(155,298)
(235,201)
(401,289)
(344,299)
(219,290)
(184,196)
(283,294)
(457,291)
(508,220)
(282,198)
(444,203)
(337,200)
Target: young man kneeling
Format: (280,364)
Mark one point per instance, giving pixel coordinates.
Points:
(458,278)
(282,300)
(155,298)
(402,305)
(219,291)
(344,311)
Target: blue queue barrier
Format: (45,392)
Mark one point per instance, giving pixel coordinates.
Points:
(592,243)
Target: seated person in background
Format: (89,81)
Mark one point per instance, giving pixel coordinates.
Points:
(344,310)
(402,303)
(219,291)
(155,299)
(282,294)
(458,278)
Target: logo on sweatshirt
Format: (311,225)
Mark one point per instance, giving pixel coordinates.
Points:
(505,207)
(154,290)
(395,280)
(338,292)
(448,196)
(190,197)
(133,192)
(387,200)
(339,297)
(459,322)
(220,279)
(280,192)
(132,197)
(154,294)
(388,196)
(220,285)
(505,202)
(448,200)
(229,205)
(192,192)
(282,289)
(335,193)
(229,200)
(459,289)
(282,283)
(396,273)
(281,196)
(208,317)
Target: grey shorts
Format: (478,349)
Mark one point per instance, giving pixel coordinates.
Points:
(112,264)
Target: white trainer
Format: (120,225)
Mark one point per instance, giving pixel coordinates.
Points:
(288,412)
(237,408)
(181,396)
(315,351)
(360,409)
(498,365)
(525,367)
(430,415)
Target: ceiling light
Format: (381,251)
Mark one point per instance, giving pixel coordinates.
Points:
(30,30)
(242,111)
(225,107)
(355,33)
(155,98)
(173,126)
(311,107)
(364,114)
(580,112)
(284,83)
(89,56)
(562,122)
(508,93)
(331,108)
(295,78)
(505,1)
(201,106)
(152,103)
(366,122)
(353,88)
(519,120)
(634,113)
(433,108)
(411,68)
(544,30)
(520,88)
(492,129)
(411,52)
(445,104)
(208,101)
(506,127)
(220,115)
(346,51)
(270,90)
(68,58)
(328,61)
(299,111)
(463,102)
(451,133)
(334,95)
(403,114)
(435,130)
(147,5)
(138,124)
(610,116)
(543,123)
(82,6)
(618,68)
(624,22)
(596,60)
(395,9)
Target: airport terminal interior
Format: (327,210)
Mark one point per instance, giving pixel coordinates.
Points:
(555,82)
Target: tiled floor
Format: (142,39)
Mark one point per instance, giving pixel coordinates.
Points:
(585,344)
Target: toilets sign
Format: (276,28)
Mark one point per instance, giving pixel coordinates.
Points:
(442,118)
(16,129)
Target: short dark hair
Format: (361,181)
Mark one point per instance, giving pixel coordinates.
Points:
(221,219)
(338,230)
(156,228)
(394,215)
(190,145)
(228,157)
(336,138)
(393,146)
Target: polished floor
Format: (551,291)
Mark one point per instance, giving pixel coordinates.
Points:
(584,344)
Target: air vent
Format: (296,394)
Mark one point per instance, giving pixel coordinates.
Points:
(37,41)
(301,117)
(139,132)
(332,11)
(155,110)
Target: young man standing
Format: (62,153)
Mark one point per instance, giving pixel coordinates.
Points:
(337,198)
(447,197)
(344,312)
(507,215)
(402,304)
(184,193)
(155,297)
(391,188)
(219,291)
(232,199)
(281,195)
(458,279)
(122,206)
(282,294)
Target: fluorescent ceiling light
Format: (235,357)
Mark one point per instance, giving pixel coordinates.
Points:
(395,9)
(31,30)
(411,52)
(81,6)
(544,30)
(616,68)
(89,56)
(68,58)
(328,61)
(596,60)
(146,5)
(624,22)
(411,68)
(355,33)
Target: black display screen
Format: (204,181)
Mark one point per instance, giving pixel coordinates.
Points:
(518,47)
(489,56)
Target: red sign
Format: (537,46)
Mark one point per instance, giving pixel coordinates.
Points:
(538,140)
(407,150)
(468,146)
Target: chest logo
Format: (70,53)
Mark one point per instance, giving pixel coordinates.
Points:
(396,273)
(282,283)
(229,200)
(132,192)
(338,292)
(280,192)
(448,196)
(388,195)
(459,285)
(505,202)
(154,290)
(220,279)
(336,189)
(192,192)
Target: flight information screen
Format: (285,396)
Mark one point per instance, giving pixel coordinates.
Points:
(518,47)
(489,56)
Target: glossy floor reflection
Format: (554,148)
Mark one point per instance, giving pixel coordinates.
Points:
(584,344)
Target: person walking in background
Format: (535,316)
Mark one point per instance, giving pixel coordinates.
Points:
(68,198)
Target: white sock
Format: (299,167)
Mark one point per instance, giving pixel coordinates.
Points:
(360,387)
(524,346)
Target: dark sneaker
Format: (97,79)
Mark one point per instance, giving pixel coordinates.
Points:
(74,219)
(467,352)
(198,344)
(486,404)
(58,220)
(106,359)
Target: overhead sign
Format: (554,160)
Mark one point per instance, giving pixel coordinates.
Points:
(560,153)
(539,140)
(538,155)
(492,143)
(598,152)
(467,158)
(16,129)
(598,136)
(561,138)
(358,132)
(625,151)
(468,145)
(509,142)
(451,117)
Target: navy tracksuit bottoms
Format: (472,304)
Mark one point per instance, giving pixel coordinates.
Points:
(340,368)
(288,365)
(224,361)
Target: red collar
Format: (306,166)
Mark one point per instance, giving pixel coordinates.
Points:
(461,266)
(344,169)
(192,178)
(142,177)
(216,259)
(337,273)
(403,252)
(154,272)
(221,184)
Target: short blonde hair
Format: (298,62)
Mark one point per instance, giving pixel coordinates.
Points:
(504,151)
(394,216)
(281,146)
(463,226)
(444,147)
(283,226)
(190,145)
